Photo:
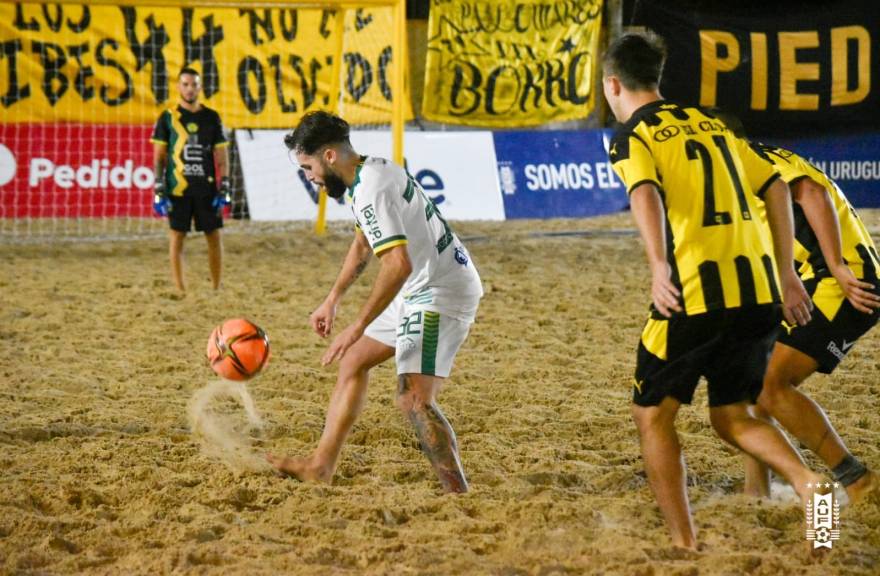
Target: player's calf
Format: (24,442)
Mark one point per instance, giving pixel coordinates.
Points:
(436,437)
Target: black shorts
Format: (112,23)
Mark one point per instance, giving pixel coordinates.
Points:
(194,205)
(729,347)
(834,328)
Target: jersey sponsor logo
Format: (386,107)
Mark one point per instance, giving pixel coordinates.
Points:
(96,174)
(406,344)
(638,385)
(671,131)
(370,224)
(192,127)
(193,155)
(839,353)
(460,256)
(666,133)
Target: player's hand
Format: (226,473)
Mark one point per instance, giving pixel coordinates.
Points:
(663,292)
(858,292)
(224,195)
(341,344)
(161,204)
(796,303)
(322,318)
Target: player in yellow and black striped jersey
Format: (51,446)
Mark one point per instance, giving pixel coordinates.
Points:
(720,254)
(716,288)
(838,262)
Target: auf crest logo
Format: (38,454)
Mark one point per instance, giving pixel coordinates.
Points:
(823,517)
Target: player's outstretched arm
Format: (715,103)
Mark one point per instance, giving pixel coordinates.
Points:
(355,262)
(647,209)
(816,203)
(796,303)
(395,269)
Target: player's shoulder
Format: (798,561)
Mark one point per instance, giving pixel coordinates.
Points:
(776,154)
(376,176)
(376,172)
(208,113)
(641,126)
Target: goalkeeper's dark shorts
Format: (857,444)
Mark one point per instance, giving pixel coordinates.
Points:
(194,206)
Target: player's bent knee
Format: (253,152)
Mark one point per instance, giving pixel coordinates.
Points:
(409,402)
(771,396)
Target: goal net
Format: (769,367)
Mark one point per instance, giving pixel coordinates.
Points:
(82,85)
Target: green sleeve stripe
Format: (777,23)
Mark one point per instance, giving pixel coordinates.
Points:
(384,241)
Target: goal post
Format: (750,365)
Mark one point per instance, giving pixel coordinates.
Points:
(82,83)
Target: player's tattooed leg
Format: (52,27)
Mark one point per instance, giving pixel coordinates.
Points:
(436,437)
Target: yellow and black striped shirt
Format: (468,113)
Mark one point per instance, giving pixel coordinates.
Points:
(719,249)
(858,248)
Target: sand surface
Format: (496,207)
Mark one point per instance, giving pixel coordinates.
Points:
(100,472)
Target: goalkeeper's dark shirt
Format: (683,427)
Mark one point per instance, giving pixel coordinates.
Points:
(191,138)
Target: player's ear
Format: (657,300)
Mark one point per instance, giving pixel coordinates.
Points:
(613,83)
(330,155)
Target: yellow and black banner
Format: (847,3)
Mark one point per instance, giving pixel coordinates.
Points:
(512,62)
(786,68)
(260,67)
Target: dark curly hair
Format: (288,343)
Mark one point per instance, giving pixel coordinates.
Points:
(317,129)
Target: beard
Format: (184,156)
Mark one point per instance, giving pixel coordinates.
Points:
(334,185)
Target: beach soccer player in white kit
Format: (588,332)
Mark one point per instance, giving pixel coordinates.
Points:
(420,309)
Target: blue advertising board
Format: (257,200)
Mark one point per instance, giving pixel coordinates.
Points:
(557,174)
(853,162)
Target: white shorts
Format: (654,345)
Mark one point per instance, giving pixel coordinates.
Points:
(425,341)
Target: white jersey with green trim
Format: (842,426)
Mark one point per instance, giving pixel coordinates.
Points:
(391,209)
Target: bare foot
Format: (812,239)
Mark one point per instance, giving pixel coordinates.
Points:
(304,469)
(868,486)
